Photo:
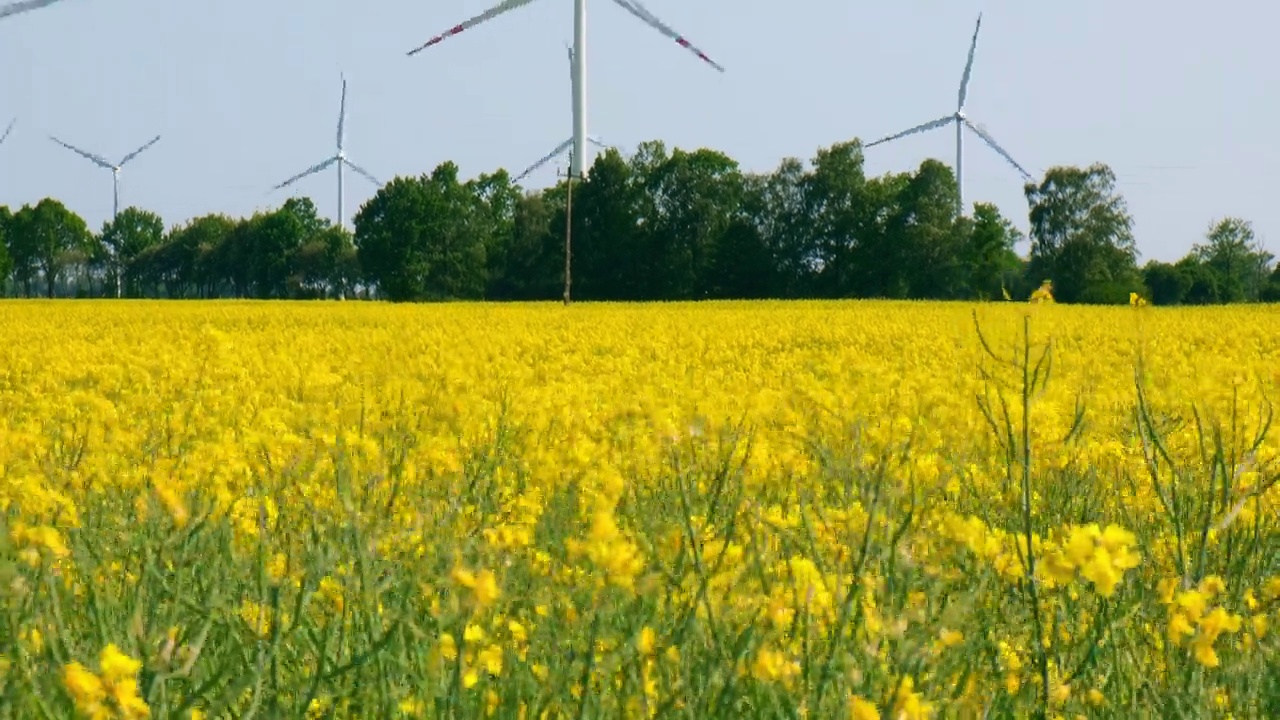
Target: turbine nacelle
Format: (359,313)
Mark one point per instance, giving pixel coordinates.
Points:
(339,158)
(579,160)
(961,121)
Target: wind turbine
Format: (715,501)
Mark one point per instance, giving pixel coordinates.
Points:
(115,179)
(578,160)
(114,168)
(8,130)
(562,147)
(961,121)
(16,9)
(340,159)
(21,7)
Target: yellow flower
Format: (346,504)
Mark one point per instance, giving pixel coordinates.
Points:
(950,638)
(483,585)
(448,647)
(646,641)
(85,687)
(1192,602)
(491,659)
(908,704)
(110,693)
(773,665)
(860,709)
(1260,625)
(115,665)
(1179,627)
(1059,693)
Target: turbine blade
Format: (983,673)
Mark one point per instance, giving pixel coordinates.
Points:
(597,142)
(968,66)
(493,12)
(139,151)
(917,129)
(8,130)
(361,171)
(95,159)
(996,146)
(309,171)
(640,11)
(21,7)
(342,114)
(560,149)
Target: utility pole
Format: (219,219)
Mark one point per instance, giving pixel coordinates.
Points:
(568,231)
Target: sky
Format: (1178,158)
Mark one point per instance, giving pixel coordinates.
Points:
(1181,101)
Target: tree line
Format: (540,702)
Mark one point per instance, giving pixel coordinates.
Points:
(658,225)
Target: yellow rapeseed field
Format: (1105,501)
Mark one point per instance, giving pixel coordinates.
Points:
(723,510)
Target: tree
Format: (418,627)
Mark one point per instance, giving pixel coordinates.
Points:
(415,238)
(832,216)
(990,261)
(742,263)
(611,257)
(927,239)
(126,236)
(1203,286)
(1271,293)
(694,195)
(1082,235)
(528,263)
(45,240)
(784,222)
(324,266)
(1167,284)
(6,261)
(275,236)
(661,224)
(1232,252)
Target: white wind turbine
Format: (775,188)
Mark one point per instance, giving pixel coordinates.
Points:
(115,179)
(962,121)
(21,7)
(562,147)
(16,9)
(340,159)
(578,159)
(113,167)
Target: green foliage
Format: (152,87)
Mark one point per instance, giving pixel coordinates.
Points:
(125,237)
(1082,235)
(989,254)
(662,224)
(46,239)
(417,238)
(1271,293)
(1232,253)
(6,262)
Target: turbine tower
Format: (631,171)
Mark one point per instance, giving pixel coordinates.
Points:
(114,168)
(562,147)
(578,160)
(961,121)
(340,159)
(115,180)
(21,7)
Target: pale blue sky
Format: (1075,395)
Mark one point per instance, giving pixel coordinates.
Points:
(1179,98)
